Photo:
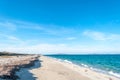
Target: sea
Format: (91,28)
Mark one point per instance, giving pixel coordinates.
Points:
(104,63)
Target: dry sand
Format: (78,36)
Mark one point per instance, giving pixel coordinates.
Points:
(52,69)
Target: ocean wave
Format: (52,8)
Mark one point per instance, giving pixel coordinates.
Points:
(84,65)
(90,67)
(67,61)
(106,72)
(114,74)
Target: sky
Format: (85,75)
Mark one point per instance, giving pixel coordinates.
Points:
(60,26)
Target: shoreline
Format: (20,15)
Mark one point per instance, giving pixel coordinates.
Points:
(53,69)
(110,73)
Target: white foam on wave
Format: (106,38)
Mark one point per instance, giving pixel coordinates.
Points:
(61,60)
(67,61)
(114,74)
(105,72)
(84,65)
(92,68)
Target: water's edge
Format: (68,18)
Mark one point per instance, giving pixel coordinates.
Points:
(111,73)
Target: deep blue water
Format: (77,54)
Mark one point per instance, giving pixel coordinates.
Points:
(103,63)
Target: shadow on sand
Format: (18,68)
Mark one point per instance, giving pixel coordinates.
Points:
(24,74)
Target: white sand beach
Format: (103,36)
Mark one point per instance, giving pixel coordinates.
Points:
(52,69)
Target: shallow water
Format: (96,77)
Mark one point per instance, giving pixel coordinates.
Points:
(109,64)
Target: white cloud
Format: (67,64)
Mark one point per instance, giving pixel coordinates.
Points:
(17,44)
(61,48)
(8,25)
(43,28)
(71,38)
(13,38)
(9,37)
(100,35)
(45,48)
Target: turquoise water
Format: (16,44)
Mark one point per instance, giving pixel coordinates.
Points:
(109,64)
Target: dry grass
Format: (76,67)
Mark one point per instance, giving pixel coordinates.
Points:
(6,56)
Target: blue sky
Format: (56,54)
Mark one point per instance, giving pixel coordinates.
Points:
(52,26)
